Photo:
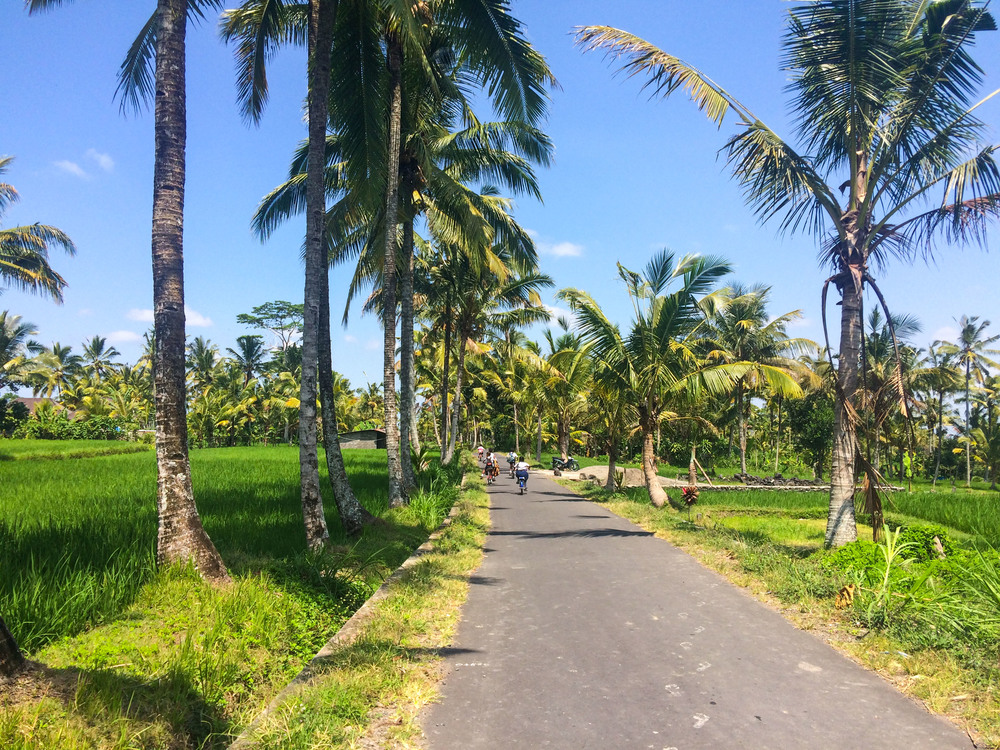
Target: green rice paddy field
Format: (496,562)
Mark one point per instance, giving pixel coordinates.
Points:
(77,537)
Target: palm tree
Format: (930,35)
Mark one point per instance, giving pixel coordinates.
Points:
(741,332)
(181,536)
(52,369)
(970,352)
(14,348)
(940,377)
(249,355)
(24,251)
(98,356)
(883,92)
(656,362)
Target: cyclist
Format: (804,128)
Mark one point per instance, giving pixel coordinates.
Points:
(521,472)
(480,452)
(511,460)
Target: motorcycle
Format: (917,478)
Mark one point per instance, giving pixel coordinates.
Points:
(522,482)
(570,464)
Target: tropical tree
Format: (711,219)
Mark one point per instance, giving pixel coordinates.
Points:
(883,102)
(249,355)
(656,363)
(24,251)
(260,25)
(741,332)
(15,346)
(940,377)
(52,368)
(161,42)
(972,353)
(98,357)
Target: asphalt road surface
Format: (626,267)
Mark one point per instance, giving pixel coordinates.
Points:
(584,631)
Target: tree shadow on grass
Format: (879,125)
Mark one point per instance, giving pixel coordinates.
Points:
(101,698)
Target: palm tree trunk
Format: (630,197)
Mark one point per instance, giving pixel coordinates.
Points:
(517,436)
(397,495)
(777,439)
(181,536)
(940,432)
(457,404)
(538,444)
(741,420)
(446,375)
(653,486)
(968,430)
(407,424)
(11,660)
(321,23)
(609,485)
(563,428)
(353,517)
(841,527)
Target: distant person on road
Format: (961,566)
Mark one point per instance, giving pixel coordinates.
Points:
(511,460)
(480,452)
(521,471)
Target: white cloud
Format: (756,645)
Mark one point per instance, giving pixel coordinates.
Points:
(84,312)
(196,319)
(373,344)
(945,333)
(143,316)
(558,312)
(193,317)
(348,338)
(72,167)
(558,249)
(123,337)
(104,161)
(562,249)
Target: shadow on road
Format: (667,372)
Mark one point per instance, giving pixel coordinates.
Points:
(580,533)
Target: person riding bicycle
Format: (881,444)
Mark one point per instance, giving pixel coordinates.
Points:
(521,471)
(490,470)
(511,460)
(480,452)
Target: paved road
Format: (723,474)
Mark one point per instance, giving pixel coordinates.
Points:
(584,631)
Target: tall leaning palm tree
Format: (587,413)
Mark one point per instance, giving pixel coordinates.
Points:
(890,153)
(972,353)
(24,251)
(181,536)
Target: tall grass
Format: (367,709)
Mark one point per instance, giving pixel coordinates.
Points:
(13,450)
(77,538)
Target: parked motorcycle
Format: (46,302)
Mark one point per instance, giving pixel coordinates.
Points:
(570,464)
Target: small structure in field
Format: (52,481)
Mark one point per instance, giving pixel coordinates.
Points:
(363,439)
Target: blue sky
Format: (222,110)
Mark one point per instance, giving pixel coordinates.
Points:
(631,175)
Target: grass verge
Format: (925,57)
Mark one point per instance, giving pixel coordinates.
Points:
(368,688)
(776,553)
(24,450)
(173,662)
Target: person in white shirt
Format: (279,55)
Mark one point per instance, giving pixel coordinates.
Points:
(521,471)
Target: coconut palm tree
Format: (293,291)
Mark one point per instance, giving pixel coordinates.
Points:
(24,251)
(883,97)
(161,42)
(249,355)
(741,332)
(972,353)
(15,346)
(99,357)
(940,377)
(657,362)
(52,369)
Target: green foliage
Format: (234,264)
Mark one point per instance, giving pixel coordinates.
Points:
(12,414)
(58,426)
